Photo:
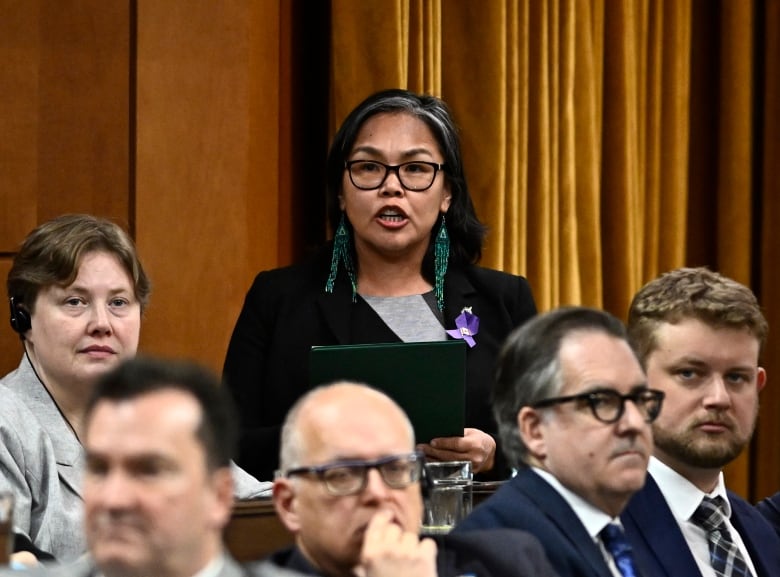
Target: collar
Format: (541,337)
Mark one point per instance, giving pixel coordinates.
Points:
(593,518)
(683,496)
(212,568)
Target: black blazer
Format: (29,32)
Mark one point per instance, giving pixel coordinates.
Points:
(529,503)
(495,553)
(287,310)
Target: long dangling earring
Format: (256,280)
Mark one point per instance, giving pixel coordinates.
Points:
(342,252)
(441,248)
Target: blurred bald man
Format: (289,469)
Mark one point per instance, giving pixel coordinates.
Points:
(349,491)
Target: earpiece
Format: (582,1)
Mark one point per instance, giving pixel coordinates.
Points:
(20,318)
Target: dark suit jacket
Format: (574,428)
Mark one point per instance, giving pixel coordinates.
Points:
(529,503)
(770,509)
(495,553)
(660,547)
(287,310)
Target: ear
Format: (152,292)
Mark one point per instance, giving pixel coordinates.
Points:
(760,378)
(222,485)
(446,198)
(531,429)
(286,503)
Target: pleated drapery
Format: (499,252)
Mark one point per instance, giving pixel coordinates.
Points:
(605,141)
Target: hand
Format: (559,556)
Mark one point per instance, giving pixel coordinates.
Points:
(389,551)
(475,446)
(24,558)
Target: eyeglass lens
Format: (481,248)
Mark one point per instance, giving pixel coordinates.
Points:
(351,478)
(609,406)
(369,174)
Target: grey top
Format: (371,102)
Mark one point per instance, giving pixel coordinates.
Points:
(42,462)
(84,566)
(409,317)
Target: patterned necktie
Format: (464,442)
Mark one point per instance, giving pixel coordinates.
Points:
(615,541)
(724,553)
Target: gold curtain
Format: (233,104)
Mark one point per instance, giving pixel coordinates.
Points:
(605,141)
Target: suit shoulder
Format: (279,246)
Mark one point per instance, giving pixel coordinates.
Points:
(281,281)
(495,539)
(492,277)
(508,291)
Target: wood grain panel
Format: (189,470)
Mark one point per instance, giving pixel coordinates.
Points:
(207,166)
(83,118)
(64,96)
(20,53)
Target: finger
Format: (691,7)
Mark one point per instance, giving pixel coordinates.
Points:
(381,533)
(457,444)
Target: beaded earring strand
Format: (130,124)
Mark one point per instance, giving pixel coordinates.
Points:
(441,248)
(342,252)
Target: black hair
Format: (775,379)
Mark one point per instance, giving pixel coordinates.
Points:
(466,232)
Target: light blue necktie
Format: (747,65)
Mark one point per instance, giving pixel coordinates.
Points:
(616,543)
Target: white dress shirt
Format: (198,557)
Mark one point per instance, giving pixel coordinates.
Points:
(683,498)
(593,518)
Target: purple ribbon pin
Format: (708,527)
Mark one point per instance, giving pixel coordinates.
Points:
(467,326)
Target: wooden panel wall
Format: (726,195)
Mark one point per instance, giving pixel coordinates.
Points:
(164,116)
(207,189)
(64,97)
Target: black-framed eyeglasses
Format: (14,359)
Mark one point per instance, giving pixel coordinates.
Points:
(608,406)
(344,478)
(417,175)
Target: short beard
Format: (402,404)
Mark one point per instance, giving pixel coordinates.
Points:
(696,452)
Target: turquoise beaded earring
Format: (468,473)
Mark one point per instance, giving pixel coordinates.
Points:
(441,251)
(342,252)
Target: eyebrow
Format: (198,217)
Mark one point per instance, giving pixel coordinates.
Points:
(405,154)
(598,388)
(695,361)
(82,290)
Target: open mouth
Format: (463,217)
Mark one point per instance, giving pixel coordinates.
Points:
(392,215)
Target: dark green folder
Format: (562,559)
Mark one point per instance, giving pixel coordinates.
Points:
(428,380)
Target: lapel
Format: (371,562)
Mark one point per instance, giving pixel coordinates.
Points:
(759,538)
(68,452)
(560,514)
(336,310)
(652,528)
(458,293)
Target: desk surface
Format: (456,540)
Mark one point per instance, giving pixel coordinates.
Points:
(255,531)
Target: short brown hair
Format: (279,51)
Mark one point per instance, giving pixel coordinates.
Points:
(52,252)
(697,293)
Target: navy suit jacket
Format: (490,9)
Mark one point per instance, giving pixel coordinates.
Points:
(287,310)
(660,548)
(770,508)
(530,503)
(497,553)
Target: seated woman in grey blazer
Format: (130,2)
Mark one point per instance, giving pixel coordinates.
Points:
(76,291)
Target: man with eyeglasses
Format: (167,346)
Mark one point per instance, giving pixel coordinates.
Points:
(349,491)
(699,336)
(574,413)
